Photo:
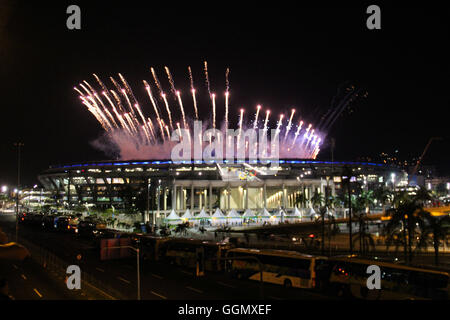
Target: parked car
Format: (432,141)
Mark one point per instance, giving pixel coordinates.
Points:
(48,222)
(74,221)
(61,223)
(90,226)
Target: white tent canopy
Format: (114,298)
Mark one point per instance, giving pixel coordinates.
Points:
(218,214)
(173,218)
(281,213)
(203,215)
(295,215)
(234,217)
(187,215)
(297,212)
(233,214)
(265,214)
(248,214)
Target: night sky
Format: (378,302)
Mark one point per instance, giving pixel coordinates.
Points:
(279,55)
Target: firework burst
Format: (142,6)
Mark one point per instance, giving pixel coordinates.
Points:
(141,130)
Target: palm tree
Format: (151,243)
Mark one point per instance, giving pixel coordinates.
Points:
(322,212)
(317,199)
(346,184)
(365,240)
(301,200)
(383,195)
(361,205)
(423,195)
(437,229)
(407,215)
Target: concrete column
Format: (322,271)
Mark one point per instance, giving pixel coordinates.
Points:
(182,198)
(192,199)
(210,198)
(265,195)
(229,197)
(200,196)
(308,188)
(158,205)
(246,197)
(174,197)
(165,199)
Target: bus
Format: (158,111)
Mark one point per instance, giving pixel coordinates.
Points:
(183,252)
(150,246)
(282,267)
(348,278)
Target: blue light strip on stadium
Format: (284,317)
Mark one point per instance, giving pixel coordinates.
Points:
(212,162)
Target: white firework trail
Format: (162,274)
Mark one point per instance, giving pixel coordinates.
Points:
(96,112)
(227,83)
(104,88)
(78,90)
(147,136)
(191,78)
(118,102)
(141,130)
(152,128)
(255,123)
(99,111)
(207,78)
(288,128)
(128,88)
(124,93)
(195,103)
(158,84)
(163,95)
(172,83)
(213,98)
(266,121)
(241,118)
(168,132)
(138,108)
(182,109)
(85,89)
(89,86)
(297,132)
(149,92)
(226,109)
(116,84)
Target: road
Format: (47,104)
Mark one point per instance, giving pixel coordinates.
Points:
(29,281)
(159,281)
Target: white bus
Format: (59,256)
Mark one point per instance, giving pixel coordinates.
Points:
(349,275)
(287,268)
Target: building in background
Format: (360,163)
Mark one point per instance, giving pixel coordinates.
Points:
(198,185)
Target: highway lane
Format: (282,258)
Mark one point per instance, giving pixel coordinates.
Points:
(29,281)
(158,280)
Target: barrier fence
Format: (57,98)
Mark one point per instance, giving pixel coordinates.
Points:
(90,284)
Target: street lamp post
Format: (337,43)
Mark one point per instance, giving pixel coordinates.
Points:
(346,178)
(148,198)
(137,266)
(18,145)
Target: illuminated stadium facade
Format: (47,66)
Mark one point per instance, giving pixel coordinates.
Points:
(198,185)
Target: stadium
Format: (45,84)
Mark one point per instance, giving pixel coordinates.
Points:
(197,185)
(161,187)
